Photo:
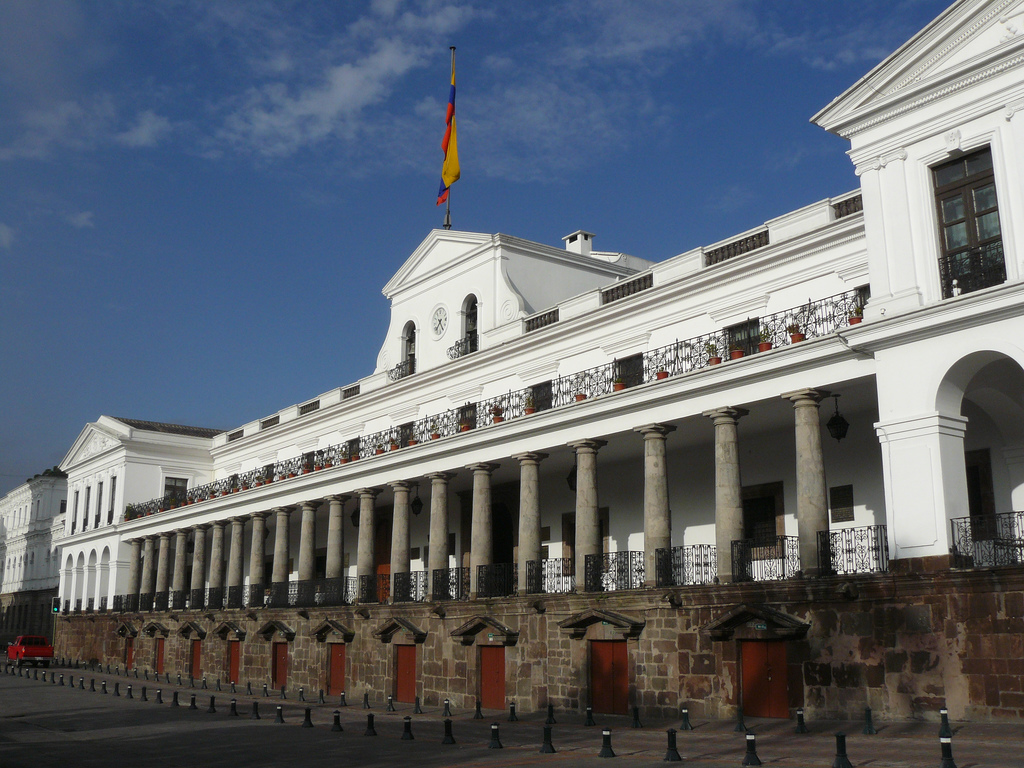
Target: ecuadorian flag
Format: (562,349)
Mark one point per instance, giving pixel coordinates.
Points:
(450,169)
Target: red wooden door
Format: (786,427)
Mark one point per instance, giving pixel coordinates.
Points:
(158,662)
(196,665)
(234,659)
(279,665)
(336,669)
(492,676)
(405,673)
(765,688)
(129,652)
(609,677)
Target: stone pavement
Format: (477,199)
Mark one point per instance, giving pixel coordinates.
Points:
(44,724)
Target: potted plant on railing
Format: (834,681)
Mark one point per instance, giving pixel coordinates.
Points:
(465,424)
(857,315)
(497,414)
(661,373)
(793,329)
(618,384)
(412,440)
(528,404)
(766,341)
(580,395)
(378,449)
(434,431)
(736,351)
(394,444)
(713,357)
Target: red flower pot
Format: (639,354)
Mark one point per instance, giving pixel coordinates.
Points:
(580,396)
(661,375)
(855,320)
(795,337)
(714,360)
(735,354)
(764,346)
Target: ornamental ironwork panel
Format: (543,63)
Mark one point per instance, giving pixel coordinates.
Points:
(692,564)
(146,602)
(985,541)
(197,599)
(972,270)
(410,587)
(773,559)
(215,598)
(627,288)
(119,601)
(177,600)
(103,603)
(330,592)
(67,607)
(161,601)
(403,369)
(553,575)
(449,584)
(90,606)
(496,580)
(233,597)
(464,346)
(853,550)
(374,588)
(278,594)
(302,594)
(257,595)
(614,571)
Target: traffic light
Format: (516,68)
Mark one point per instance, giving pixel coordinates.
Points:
(55,605)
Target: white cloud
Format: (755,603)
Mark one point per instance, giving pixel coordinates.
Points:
(148,130)
(81,220)
(6,236)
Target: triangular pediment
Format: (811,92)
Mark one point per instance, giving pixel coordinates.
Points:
(276,628)
(968,42)
(226,628)
(329,627)
(439,251)
(126,629)
(386,631)
(466,634)
(154,628)
(577,624)
(755,622)
(189,628)
(94,440)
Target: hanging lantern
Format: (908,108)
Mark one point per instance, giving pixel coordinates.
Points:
(837,426)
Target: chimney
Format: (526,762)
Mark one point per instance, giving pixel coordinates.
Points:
(579,242)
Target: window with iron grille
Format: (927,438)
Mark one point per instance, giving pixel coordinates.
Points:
(406,433)
(630,370)
(467,415)
(175,487)
(352,446)
(542,397)
(745,336)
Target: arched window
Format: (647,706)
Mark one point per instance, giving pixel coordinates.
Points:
(409,347)
(469,320)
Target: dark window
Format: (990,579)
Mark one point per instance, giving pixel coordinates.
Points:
(85,511)
(969,229)
(467,416)
(110,506)
(542,398)
(406,433)
(470,334)
(745,336)
(175,487)
(630,370)
(352,446)
(99,505)
(840,501)
(74,514)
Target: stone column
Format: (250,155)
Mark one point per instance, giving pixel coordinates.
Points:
(134,569)
(811,501)
(437,559)
(279,575)
(217,556)
(307,541)
(657,517)
(399,532)
(588,526)
(366,566)
(728,490)
(180,553)
(162,563)
(481,544)
(148,570)
(257,575)
(235,550)
(199,559)
(336,537)
(529,518)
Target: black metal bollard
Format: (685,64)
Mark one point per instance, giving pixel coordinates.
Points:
(233,688)
(391,705)
(512,712)
(284,695)
(447,708)
(103,686)
(590,717)
(159,696)
(801,726)
(35,675)
(341,700)
(842,760)
(218,685)
(192,702)
(337,721)
(448,738)
(417,709)
(302,693)
(495,741)
(944,729)
(136,673)
(179,679)
(212,710)
(81,683)
(307,720)
(167,676)
(108,669)
(145,674)
(92,684)
(946,743)
(191,682)
(636,718)
(255,714)
(547,748)
(370,730)
(117,688)
(672,754)
(280,715)
(174,699)
(233,712)
(62,679)
(869,727)
(366,700)
(248,688)
(741,727)
(53,678)
(407,729)
(203,686)
(606,743)
(143,696)
(751,757)
(266,693)
(479,715)
(686,721)
(551,715)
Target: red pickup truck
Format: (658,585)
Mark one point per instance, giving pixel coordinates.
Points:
(30,649)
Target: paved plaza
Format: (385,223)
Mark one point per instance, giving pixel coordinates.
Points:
(46,724)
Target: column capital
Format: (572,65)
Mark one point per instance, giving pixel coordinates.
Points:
(481,467)
(589,446)
(446,476)
(256,516)
(368,492)
(726,415)
(200,527)
(806,397)
(533,457)
(281,510)
(312,503)
(401,485)
(654,431)
(164,535)
(341,497)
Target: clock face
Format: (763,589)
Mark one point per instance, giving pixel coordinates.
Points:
(440,321)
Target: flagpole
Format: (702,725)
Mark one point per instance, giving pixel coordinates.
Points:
(448,200)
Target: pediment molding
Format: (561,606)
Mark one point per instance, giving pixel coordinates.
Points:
(396,625)
(276,628)
(467,633)
(576,625)
(154,628)
(186,630)
(332,627)
(755,622)
(226,628)
(126,629)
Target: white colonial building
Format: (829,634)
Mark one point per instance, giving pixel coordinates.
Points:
(782,470)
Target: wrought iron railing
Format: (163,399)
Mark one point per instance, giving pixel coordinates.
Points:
(736,248)
(464,346)
(553,575)
(853,550)
(90,605)
(627,288)
(972,270)
(375,588)
(257,595)
(213,597)
(692,564)
(985,541)
(67,607)
(161,600)
(197,599)
(403,369)
(496,580)
(329,592)
(119,603)
(614,571)
(772,559)
(233,596)
(103,604)
(146,602)
(410,587)
(279,597)
(177,599)
(449,584)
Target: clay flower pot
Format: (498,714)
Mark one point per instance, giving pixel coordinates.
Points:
(735,354)
(661,375)
(764,346)
(618,386)
(580,396)
(714,360)
(796,337)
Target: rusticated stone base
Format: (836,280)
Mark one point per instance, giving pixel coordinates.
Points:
(904,643)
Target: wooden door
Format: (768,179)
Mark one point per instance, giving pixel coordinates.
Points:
(492,676)
(609,677)
(765,688)
(196,665)
(234,659)
(279,665)
(158,653)
(336,669)
(129,652)
(405,673)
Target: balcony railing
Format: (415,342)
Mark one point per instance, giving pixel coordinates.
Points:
(614,571)
(67,607)
(972,270)
(464,346)
(449,584)
(90,605)
(146,602)
(693,564)
(375,588)
(177,602)
(986,541)
(213,597)
(257,595)
(410,587)
(161,600)
(329,592)
(774,559)
(234,597)
(496,580)
(403,369)
(279,594)
(555,575)
(853,550)
(103,604)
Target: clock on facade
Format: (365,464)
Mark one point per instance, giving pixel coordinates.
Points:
(440,321)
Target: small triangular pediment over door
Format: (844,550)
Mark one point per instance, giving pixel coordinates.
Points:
(755,622)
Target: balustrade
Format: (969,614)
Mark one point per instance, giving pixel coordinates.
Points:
(410,587)
(853,550)
(555,575)
(985,541)
(771,559)
(614,571)
(496,580)
(693,564)
(450,584)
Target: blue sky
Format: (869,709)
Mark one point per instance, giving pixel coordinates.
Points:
(200,200)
